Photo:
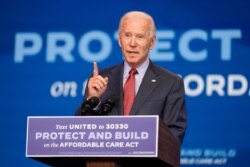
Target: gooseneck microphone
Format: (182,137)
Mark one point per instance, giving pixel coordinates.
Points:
(88,106)
(107,107)
(94,106)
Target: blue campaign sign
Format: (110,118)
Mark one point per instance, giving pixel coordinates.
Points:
(92,136)
(47,50)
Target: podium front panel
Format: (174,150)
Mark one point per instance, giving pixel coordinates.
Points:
(92,136)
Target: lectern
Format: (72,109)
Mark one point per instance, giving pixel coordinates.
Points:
(101,141)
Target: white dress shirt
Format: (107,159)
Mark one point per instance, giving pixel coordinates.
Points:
(141,70)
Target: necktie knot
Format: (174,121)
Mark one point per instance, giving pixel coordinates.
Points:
(133,71)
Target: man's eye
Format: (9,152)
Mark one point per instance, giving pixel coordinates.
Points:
(127,35)
(140,36)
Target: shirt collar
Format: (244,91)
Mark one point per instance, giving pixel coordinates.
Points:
(141,69)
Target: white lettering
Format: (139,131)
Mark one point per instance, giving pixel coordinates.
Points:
(226,37)
(105,43)
(196,80)
(68,88)
(240,79)
(100,135)
(162,44)
(60,44)
(184,45)
(232,85)
(26,44)
(215,83)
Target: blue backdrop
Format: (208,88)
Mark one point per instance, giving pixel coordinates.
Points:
(47,49)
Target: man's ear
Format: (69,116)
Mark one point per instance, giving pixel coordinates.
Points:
(119,41)
(153,42)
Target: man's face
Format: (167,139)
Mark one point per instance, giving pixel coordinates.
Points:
(135,40)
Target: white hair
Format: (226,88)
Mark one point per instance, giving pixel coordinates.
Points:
(139,14)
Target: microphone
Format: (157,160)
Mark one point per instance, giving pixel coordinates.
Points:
(89,105)
(107,107)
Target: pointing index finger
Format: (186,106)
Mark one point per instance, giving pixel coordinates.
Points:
(95,70)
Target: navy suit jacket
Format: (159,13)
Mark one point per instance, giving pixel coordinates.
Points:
(160,93)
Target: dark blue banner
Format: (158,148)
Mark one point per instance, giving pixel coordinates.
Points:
(47,50)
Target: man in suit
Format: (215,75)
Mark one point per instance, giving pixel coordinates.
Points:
(157,90)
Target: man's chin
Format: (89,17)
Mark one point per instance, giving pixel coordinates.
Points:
(133,63)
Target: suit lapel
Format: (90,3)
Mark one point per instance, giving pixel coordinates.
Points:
(149,83)
(116,87)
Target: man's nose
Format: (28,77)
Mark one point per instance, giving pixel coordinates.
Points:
(133,41)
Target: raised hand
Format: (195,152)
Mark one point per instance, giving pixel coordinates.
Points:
(97,84)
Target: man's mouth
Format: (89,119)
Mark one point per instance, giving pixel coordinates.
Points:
(132,52)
